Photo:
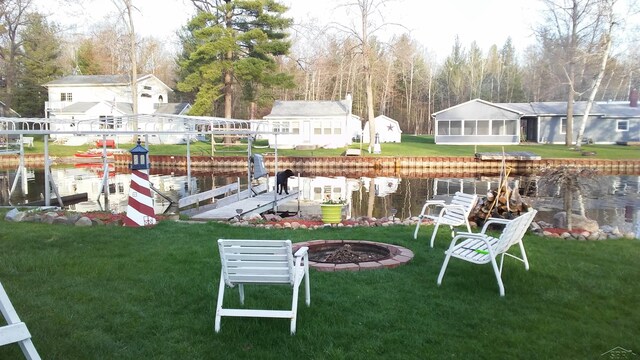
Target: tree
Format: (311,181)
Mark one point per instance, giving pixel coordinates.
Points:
(571,27)
(233,42)
(39,64)
(14,18)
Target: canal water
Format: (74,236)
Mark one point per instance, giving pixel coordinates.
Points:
(610,200)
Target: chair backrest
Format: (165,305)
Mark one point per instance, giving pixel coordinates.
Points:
(514,231)
(466,201)
(256,261)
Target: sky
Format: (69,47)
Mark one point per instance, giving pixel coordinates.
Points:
(432,24)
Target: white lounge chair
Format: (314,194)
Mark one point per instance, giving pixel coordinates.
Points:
(453,214)
(482,248)
(262,262)
(15,331)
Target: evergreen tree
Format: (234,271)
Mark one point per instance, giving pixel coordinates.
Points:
(38,65)
(235,42)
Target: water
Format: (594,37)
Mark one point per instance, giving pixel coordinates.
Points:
(610,200)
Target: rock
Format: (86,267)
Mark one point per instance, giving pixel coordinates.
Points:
(593,236)
(272,217)
(14,215)
(629,235)
(83,221)
(60,220)
(295,225)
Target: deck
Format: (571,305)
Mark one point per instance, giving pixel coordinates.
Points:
(513,155)
(253,205)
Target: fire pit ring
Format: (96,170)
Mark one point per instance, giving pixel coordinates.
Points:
(393,255)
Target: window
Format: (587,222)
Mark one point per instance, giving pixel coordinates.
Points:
(483,127)
(317,128)
(145,95)
(106,122)
(563,125)
(622,125)
(66,97)
(455,127)
(295,127)
(327,127)
(147,87)
(470,127)
(281,127)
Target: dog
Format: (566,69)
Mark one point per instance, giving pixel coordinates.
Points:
(282,178)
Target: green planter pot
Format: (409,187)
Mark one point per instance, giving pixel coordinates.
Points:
(331,213)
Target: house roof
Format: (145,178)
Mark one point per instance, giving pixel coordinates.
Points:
(308,108)
(82,107)
(479,101)
(90,80)
(99,80)
(172,108)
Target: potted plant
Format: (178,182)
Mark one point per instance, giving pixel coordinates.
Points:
(332,210)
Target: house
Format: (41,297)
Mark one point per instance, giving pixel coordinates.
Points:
(312,124)
(387,128)
(482,122)
(477,122)
(79,100)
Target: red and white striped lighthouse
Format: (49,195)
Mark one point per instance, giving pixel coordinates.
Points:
(140,210)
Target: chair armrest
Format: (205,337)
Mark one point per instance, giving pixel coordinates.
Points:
(434,202)
(301,252)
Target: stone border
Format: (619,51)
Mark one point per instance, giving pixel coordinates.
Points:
(399,256)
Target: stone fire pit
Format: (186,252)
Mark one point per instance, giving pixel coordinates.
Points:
(354,255)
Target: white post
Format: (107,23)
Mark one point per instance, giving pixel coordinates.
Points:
(189,164)
(47,186)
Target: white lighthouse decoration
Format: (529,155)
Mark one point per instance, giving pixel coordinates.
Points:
(140,206)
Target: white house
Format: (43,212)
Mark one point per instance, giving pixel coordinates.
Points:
(325,124)
(82,101)
(387,128)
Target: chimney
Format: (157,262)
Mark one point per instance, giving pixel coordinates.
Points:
(633,98)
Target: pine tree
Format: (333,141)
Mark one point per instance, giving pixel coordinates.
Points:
(38,65)
(233,43)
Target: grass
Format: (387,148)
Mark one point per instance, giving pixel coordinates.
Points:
(422,145)
(150,293)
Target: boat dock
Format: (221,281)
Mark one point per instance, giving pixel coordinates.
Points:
(248,206)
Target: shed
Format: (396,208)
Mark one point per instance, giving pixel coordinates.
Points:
(387,128)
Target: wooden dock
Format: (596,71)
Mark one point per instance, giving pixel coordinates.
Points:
(252,205)
(513,155)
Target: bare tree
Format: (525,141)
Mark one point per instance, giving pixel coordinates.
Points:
(14,18)
(570,25)
(126,8)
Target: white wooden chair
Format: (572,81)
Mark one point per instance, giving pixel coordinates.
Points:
(15,331)
(482,248)
(453,214)
(263,262)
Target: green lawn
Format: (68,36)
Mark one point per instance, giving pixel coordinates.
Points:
(410,146)
(150,293)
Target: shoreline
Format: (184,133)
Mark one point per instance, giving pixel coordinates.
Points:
(341,165)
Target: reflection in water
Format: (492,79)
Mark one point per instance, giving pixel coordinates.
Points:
(613,200)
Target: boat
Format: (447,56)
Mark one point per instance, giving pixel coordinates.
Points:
(95,155)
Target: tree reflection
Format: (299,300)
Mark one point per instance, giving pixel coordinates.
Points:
(569,181)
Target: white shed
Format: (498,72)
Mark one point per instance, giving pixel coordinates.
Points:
(386,127)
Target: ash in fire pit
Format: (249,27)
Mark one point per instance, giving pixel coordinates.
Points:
(348,253)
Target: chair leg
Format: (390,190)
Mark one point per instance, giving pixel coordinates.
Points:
(241,290)
(415,233)
(219,304)
(524,256)
(435,231)
(498,277)
(307,287)
(444,267)
(294,309)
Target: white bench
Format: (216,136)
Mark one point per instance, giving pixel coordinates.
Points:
(26,140)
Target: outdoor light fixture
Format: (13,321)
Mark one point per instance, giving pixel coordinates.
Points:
(139,157)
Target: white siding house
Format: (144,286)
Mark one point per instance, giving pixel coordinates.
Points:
(79,100)
(387,128)
(324,124)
